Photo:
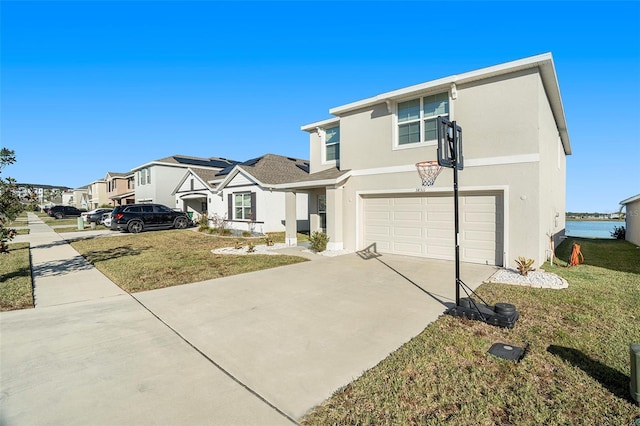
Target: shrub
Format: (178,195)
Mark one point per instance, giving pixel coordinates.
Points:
(268,240)
(251,248)
(318,241)
(524,265)
(246,233)
(619,232)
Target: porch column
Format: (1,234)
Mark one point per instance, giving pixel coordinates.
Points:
(290,219)
(334,218)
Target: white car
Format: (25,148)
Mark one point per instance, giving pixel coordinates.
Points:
(106,219)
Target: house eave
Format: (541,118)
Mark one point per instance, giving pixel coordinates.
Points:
(543,62)
(630,200)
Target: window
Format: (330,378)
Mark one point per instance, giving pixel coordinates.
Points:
(322,211)
(144,176)
(417,118)
(332,143)
(242,206)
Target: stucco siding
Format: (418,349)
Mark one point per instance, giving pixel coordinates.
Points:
(499,116)
(552,179)
(632,222)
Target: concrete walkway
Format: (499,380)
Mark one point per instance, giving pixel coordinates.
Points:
(258,348)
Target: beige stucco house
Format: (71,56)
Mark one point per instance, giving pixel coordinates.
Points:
(632,219)
(365,191)
(97,194)
(120,188)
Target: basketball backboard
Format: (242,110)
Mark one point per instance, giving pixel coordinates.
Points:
(449,144)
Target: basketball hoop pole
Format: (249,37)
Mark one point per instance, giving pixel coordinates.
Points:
(454,162)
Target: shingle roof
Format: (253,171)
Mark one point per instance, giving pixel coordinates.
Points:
(206,175)
(274,169)
(186,160)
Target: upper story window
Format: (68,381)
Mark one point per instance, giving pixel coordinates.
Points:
(332,144)
(144,176)
(417,118)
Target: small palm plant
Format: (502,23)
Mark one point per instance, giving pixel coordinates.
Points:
(524,265)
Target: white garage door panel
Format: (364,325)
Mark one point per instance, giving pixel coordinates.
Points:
(422,225)
(405,215)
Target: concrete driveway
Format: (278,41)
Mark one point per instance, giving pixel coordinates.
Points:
(258,348)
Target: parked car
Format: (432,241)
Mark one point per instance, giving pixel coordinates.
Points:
(60,212)
(140,217)
(106,219)
(95,215)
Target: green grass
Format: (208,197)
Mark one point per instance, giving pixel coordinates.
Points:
(575,373)
(151,260)
(15,278)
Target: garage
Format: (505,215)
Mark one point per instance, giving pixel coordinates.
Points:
(422,224)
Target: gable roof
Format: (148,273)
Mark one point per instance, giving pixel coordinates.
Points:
(268,170)
(544,63)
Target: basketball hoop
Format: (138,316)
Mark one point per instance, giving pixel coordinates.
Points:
(428,171)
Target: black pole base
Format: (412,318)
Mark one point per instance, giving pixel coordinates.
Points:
(500,315)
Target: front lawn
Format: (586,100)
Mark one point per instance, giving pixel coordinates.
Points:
(15,278)
(158,259)
(575,373)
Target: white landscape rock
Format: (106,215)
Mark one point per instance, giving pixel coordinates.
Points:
(538,279)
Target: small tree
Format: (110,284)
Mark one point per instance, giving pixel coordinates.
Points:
(10,205)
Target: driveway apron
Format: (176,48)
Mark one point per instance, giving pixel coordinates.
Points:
(257,348)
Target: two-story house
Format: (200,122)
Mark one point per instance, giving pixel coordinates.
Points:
(120,188)
(97,194)
(365,190)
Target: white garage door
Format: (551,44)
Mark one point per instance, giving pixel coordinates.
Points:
(423,225)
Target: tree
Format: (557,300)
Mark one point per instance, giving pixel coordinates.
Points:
(10,206)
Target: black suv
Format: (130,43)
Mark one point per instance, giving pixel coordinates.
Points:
(139,217)
(60,212)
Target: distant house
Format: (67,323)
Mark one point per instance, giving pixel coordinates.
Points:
(97,194)
(249,194)
(156,181)
(120,188)
(365,190)
(632,219)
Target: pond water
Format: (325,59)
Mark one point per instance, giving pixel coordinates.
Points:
(591,228)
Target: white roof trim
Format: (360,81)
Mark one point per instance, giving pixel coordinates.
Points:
(232,174)
(630,200)
(313,126)
(313,183)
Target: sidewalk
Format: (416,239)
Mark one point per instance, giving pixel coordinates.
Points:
(60,274)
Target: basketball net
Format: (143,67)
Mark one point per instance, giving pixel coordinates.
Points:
(428,171)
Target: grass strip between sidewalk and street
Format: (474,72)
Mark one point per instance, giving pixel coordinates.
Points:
(577,369)
(16,291)
(152,260)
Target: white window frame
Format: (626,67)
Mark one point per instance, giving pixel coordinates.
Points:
(421,119)
(325,145)
(243,206)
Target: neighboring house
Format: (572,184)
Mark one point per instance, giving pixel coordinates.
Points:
(156,181)
(81,197)
(97,194)
(632,219)
(120,188)
(365,190)
(196,193)
(245,194)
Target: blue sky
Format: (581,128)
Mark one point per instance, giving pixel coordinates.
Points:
(97,86)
